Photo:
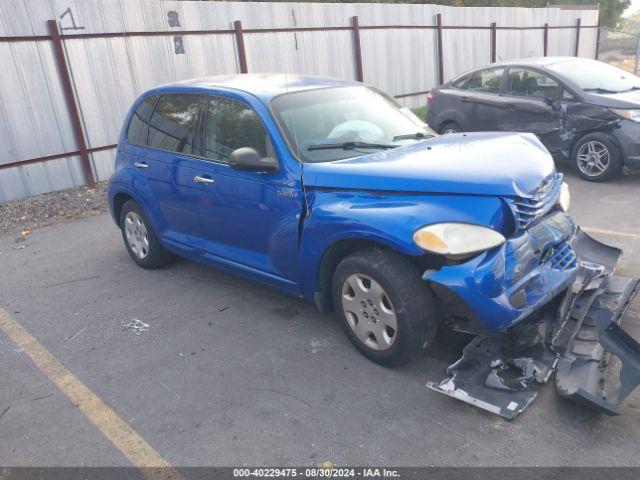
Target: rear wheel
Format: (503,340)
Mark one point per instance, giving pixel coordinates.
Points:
(140,239)
(450,127)
(596,158)
(384,306)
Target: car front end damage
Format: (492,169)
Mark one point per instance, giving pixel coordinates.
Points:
(548,301)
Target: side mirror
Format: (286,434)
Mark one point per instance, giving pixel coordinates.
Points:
(249,160)
(553,102)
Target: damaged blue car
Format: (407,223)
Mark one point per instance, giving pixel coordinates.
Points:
(331,191)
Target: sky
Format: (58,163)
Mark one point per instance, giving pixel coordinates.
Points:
(633,8)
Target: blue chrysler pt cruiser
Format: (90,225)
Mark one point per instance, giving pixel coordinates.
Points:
(331,191)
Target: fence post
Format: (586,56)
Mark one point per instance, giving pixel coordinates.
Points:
(545,47)
(493,42)
(597,39)
(577,37)
(439,47)
(635,62)
(67,86)
(242,55)
(355,24)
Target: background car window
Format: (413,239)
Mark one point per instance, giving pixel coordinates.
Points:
(459,83)
(530,83)
(174,122)
(137,131)
(231,125)
(487,81)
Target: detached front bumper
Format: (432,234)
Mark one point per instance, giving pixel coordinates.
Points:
(504,286)
(575,336)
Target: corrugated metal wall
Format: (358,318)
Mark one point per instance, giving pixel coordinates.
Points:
(108,73)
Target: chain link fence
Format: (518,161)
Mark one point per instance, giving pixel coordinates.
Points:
(619,48)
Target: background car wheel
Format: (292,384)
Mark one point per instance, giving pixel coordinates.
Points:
(596,158)
(450,127)
(384,306)
(140,239)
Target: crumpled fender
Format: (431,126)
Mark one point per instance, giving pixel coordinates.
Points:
(389,219)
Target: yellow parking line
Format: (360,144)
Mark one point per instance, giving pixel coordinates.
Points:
(117,431)
(610,232)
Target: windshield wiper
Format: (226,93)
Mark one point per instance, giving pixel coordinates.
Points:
(408,136)
(630,89)
(348,146)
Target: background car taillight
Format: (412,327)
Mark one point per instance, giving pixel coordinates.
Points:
(429,97)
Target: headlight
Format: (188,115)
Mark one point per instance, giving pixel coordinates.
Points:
(565,197)
(633,115)
(456,239)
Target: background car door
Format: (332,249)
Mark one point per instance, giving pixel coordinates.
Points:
(480,103)
(534,103)
(172,144)
(250,219)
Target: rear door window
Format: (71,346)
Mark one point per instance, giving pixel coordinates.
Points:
(230,125)
(531,83)
(174,123)
(486,81)
(137,130)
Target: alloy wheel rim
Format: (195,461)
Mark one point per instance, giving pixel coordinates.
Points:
(449,130)
(136,233)
(369,312)
(593,158)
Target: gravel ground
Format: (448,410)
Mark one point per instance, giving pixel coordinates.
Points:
(22,216)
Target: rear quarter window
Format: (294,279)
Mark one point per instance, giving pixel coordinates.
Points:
(460,83)
(138,125)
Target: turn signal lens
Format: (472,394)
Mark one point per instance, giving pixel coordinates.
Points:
(456,239)
(565,197)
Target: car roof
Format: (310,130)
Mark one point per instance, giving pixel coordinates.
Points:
(537,61)
(265,86)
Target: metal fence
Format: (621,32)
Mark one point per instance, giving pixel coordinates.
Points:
(69,73)
(619,48)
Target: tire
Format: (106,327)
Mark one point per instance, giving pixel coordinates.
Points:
(596,158)
(140,239)
(395,289)
(450,127)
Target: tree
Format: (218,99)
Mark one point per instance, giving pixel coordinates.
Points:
(610,10)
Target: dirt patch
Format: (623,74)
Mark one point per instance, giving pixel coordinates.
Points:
(51,208)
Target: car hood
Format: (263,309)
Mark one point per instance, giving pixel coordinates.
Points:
(492,163)
(614,100)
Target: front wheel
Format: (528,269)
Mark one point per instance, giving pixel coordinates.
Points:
(596,158)
(384,306)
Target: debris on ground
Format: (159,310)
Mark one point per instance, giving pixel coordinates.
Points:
(22,216)
(135,326)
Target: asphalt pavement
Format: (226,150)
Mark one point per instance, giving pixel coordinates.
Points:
(232,373)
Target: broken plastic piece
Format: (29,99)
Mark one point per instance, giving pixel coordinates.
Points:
(135,326)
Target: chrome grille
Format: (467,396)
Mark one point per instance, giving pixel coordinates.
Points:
(561,257)
(529,208)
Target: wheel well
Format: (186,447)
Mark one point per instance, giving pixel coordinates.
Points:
(118,201)
(336,253)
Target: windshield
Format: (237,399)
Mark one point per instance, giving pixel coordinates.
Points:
(594,76)
(335,123)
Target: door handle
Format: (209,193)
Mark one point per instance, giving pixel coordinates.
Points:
(205,180)
(140,164)
(465,99)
